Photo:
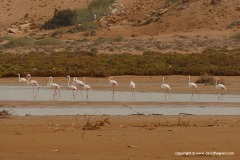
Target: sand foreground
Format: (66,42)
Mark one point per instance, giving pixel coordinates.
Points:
(121,137)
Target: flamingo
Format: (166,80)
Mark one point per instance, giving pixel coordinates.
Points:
(72,87)
(167,88)
(34,84)
(132,86)
(22,80)
(79,83)
(113,83)
(86,87)
(220,86)
(55,86)
(193,86)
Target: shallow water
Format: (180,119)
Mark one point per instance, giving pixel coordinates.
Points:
(45,94)
(147,110)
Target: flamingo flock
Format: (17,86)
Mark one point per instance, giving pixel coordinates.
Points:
(80,85)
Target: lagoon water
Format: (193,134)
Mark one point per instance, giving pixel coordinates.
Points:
(15,93)
(46,94)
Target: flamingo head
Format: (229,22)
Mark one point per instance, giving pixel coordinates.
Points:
(111,77)
(68,76)
(18,74)
(28,75)
(75,78)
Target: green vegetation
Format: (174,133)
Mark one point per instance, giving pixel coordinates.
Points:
(237,36)
(89,64)
(79,16)
(28,42)
(19,42)
(59,31)
(48,41)
(109,39)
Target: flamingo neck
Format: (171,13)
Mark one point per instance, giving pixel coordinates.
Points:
(19,77)
(84,80)
(216,83)
(162,81)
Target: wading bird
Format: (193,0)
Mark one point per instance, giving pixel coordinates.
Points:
(113,83)
(22,80)
(220,86)
(79,83)
(167,89)
(34,84)
(55,87)
(86,87)
(72,87)
(193,86)
(132,86)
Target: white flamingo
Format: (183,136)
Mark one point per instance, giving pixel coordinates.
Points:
(79,83)
(22,80)
(193,86)
(113,83)
(72,87)
(86,87)
(167,89)
(220,86)
(34,84)
(132,86)
(56,88)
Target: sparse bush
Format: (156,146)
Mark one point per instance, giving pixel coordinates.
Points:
(59,31)
(48,41)
(60,19)
(20,42)
(237,36)
(86,26)
(234,24)
(79,16)
(109,39)
(206,79)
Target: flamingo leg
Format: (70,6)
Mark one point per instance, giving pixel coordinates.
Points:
(192,94)
(59,94)
(165,95)
(76,93)
(168,95)
(87,94)
(37,92)
(82,94)
(33,93)
(113,93)
(73,95)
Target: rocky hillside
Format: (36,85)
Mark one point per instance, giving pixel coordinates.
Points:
(137,26)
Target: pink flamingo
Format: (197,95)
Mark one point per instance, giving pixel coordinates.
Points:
(132,86)
(86,87)
(167,88)
(193,86)
(22,80)
(56,88)
(34,84)
(72,87)
(113,83)
(220,86)
(79,83)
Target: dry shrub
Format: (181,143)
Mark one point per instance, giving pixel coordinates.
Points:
(206,79)
(95,125)
(5,114)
